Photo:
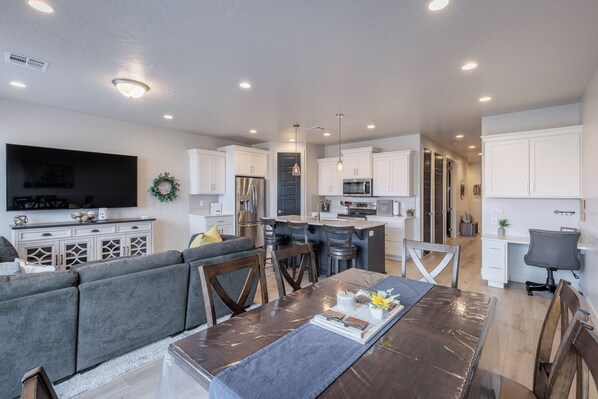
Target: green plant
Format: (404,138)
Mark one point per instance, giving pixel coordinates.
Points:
(504,223)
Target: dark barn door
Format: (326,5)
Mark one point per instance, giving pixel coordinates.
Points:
(289,186)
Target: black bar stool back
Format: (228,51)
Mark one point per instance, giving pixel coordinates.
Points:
(340,246)
(271,238)
(299,237)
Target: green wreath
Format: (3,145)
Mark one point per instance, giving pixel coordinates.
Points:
(171,194)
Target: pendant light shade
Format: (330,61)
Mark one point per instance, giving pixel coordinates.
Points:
(296,169)
(339,163)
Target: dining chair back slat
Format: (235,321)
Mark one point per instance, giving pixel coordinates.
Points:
(307,261)
(209,284)
(37,385)
(415,248)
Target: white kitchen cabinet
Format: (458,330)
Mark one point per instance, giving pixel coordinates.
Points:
(357,163)
(494,262)
(203,223)
(251,162)
(330,181)
(396,229)
(392,174)
(538,164)
(206,172)
(67,244)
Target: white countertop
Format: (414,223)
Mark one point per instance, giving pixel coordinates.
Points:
(359,224)
(208,214)
(523,240)
(372,216)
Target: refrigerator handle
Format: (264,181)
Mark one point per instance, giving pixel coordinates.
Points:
(254,199)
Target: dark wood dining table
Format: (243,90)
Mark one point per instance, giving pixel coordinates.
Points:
(445,346)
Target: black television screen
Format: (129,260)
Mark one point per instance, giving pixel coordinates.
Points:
(40,178)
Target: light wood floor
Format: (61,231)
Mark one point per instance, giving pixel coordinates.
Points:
(520,318)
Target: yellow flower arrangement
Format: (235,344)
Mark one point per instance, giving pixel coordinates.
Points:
(380,299)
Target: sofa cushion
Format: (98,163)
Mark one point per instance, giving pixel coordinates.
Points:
(128,265)
(20,285)
(8,253)
(228,246)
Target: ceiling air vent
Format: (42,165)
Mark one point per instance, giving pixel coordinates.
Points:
(316,128)
(25,61)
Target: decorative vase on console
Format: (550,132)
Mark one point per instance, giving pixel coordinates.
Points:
(503,223)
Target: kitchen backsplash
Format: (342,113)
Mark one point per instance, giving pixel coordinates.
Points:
(335,207)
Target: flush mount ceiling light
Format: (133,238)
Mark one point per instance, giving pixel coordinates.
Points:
(479,153)
(296,169)
(436,5)
(469,66)
(130,88)
(20,85)
(339,163)
(41,6)
(245,85)
(168,116)
(253,131)
(459,136)
(326,134)
(371,126)
(472,146)
(485,99)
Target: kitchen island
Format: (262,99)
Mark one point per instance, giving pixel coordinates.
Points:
(368,237)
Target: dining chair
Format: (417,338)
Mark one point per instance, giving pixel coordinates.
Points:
(567,304)
(552,250)
(209,284)
(307,261)
(415,248)
(37,385)
(579,347)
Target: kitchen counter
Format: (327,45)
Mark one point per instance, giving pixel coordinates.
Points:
(312,221)
(368,238)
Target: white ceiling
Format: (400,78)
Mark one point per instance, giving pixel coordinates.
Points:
(391,63)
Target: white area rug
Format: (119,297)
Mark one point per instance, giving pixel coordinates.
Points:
(114,368)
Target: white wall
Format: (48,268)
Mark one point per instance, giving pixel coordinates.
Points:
(158,150)
(589,226)
(474,204)
(524,214)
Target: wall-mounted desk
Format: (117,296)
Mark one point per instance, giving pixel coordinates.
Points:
(502,261)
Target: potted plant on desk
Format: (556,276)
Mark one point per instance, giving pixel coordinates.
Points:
(503,223)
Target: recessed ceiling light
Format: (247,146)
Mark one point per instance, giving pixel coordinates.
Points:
(479,153)
(292,140)
(21,85)
(469,66)
(168,116)
(253,131)
(436,5)
(245,85)
(41,6)
(485,99)
(455,143)
(471,146)
(371,126)
(130,88)
(326,134)
(460,136)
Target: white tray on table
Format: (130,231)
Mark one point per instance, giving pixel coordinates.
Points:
(362,312)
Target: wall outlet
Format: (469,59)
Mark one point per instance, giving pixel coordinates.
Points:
(371,233)
(494,221)
(200,203)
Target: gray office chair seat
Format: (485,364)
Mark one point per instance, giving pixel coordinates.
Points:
(552,250)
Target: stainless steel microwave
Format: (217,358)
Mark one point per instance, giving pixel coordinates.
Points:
(357,187)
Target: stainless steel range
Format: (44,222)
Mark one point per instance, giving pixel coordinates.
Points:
(358,211)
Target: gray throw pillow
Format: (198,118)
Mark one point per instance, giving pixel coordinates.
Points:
(8,253)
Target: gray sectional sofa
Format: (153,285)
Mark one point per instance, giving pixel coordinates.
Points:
(71,321)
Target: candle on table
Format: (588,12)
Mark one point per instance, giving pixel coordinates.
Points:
(345,301)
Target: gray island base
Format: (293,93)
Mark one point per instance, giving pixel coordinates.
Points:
(369,239)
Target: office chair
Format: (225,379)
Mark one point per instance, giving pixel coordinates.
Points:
(553,250)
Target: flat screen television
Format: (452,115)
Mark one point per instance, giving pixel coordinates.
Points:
(39,178)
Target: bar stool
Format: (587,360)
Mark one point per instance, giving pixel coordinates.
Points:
(271,238)
(299,237)
(340,246)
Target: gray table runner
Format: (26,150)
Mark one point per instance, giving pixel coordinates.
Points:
(303,363)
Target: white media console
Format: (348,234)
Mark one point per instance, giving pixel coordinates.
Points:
(67,244)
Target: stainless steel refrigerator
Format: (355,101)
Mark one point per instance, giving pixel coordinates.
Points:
(250,204)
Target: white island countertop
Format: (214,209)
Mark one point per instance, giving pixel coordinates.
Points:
(359,224)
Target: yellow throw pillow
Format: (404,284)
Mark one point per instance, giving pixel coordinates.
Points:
(201,239)
(214,233)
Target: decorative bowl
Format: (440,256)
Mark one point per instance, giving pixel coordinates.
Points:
(84,217)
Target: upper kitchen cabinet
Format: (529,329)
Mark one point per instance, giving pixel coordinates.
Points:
(357,163)
(206,172)
(248,161)
(536,164)
(330,182)
(392,174)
